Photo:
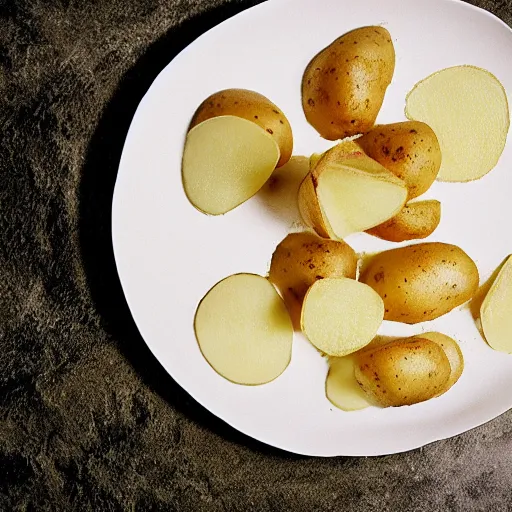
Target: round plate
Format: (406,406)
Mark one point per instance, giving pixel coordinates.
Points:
(169,255)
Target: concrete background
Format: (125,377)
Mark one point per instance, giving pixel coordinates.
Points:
(88,418)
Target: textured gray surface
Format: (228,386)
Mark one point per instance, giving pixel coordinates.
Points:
(88,419)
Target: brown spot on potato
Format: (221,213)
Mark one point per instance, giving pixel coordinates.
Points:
(311,102)
(270,131)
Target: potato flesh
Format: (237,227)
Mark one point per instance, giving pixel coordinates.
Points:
(354,201)
(468,110)
(340,316)
(226,160)
(341,387)
(496,311)
(244,330)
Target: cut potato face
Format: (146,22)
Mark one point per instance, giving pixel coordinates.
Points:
(254,107)
(340,316)
(349,194)
(303,258)
(414,221)
(244,330)
(468,110)
(226,160)
(341,387)
(453,353)
(496,311)
(403,372)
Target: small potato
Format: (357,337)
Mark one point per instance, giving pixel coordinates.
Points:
(343,86)
(421,282)
(410,150)
(254,107)
(403,372)
(414,221)
(453,353)
(303,258)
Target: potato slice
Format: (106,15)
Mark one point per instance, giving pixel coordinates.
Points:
(303,258)
(453,353)
(403,372)
(254,107)
(244,330)
(341,386)
(468,110)
(226,160)
(496,311)
(340,315)
(349,194)
(415,221)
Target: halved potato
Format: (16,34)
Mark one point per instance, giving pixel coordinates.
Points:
(244,330)
(341,387)
(453,353)
(349,194)
(226,160)
(340,315)
(467,108)
(254,107)
(403,372)
(496,311)
(415,221)
(303,258)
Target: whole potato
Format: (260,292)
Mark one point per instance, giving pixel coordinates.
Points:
(403,372)
(421,282)
(410,150)
(254,107)
(343,86)
(415,220)
(303,258)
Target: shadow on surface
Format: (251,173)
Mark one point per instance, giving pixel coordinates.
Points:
(96,191)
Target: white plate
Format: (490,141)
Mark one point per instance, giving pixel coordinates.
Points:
(168,254)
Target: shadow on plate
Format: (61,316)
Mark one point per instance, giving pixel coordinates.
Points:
(96,191)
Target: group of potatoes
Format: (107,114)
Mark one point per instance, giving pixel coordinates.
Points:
(243,326)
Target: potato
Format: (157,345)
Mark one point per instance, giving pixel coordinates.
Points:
(254,107)
(244,330)
(226,160)
(453,353)
(421,282)
(340,315)
(303,258)
(496,309)
(343,86)
(403,372)
(341,386)
(348,194)
(467,108)
(415,220)
(410,150)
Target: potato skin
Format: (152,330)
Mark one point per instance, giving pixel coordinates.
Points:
(251,106)
(403,372)
(453,353)
(410,150)
(415,221)
(343,86)
(421,282)
(303,258)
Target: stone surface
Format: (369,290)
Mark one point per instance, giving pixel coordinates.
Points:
(88,419)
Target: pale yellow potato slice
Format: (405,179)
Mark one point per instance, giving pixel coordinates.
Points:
(244,330)
(468,110)
(340,315)
(355,198)
(496,311)
(226,160)
(341,386)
